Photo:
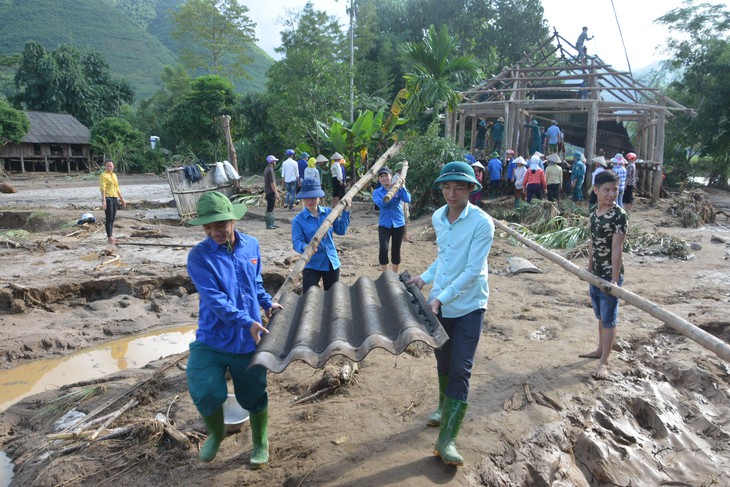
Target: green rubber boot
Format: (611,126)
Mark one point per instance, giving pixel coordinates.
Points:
(269,219)
(259,435)
(453,416)
(435,418)
(216,433)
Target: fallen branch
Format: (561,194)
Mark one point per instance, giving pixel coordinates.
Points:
(113,259)
(148,244)
(114,416)
(314,396)
(114,434)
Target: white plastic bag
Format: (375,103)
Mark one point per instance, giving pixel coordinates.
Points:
(220,177)
(231,171)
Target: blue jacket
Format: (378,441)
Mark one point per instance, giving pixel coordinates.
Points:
(495,169)
(231,291)
(391,213)
(303,228)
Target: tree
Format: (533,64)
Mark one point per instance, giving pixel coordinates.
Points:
(438,71)
(194,123)
(215,36)
(702,53)
(14,124)
(116,138)
(311,82)
(65,80)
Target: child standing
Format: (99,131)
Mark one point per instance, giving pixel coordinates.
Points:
(605,251)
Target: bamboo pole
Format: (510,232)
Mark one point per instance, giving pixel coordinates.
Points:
(691,331)
(327,223)
(398,184)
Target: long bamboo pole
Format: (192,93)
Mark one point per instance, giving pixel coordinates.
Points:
(691,331)
(398,184)
(327,223)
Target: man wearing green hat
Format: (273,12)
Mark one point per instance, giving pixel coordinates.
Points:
(458,296)
(226,271)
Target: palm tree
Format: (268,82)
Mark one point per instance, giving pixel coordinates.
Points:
(438,70)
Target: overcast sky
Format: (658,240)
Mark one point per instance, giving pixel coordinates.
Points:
(641,34)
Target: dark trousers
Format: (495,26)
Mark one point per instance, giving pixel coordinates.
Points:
(311,277)
(110,214)
(384,236)
(270,201)
(534,191)
(456,357)
(553,192)
(206,372)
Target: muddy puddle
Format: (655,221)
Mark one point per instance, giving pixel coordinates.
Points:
(134,351)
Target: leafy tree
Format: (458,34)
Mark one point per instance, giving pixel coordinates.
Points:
(426,154)
(311,82)
(14,124)
(438,71)
(194,123)
(68,81)
(216,36)
(116,138)
(702,53)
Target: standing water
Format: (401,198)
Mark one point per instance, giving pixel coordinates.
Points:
(134,351)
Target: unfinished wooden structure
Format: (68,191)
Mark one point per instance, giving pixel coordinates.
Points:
(55,142)
(591,102)
(186,193)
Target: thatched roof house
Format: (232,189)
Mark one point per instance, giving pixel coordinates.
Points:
(55,142)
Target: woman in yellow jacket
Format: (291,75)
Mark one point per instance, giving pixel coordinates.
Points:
(111,197)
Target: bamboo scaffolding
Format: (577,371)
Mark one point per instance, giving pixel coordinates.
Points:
(327,223)
(691,331)
(398,184)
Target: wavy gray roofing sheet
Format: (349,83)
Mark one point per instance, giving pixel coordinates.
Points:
(348,321)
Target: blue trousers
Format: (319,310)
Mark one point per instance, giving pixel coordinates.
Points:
(291,192)
(206,373)
(456,357)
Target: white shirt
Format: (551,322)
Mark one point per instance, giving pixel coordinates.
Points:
(289,170)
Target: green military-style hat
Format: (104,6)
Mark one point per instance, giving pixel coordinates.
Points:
(214,206)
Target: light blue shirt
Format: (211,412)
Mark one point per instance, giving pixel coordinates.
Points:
(391,213)
(553,134)
(460,272)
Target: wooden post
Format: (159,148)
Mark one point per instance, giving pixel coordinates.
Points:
(691,331)
(232,158)
(473,144)
(462,127)
(659,156)
(592,131)
(327,223)
(22,160)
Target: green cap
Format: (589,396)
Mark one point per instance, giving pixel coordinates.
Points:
(214,206)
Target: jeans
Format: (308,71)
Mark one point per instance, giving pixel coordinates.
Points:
(110,214)
(605,306)
(291,192)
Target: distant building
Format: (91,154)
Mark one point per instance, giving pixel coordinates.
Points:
(55,142)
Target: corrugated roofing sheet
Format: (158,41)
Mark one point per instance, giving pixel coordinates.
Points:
(55,128)
(348,321)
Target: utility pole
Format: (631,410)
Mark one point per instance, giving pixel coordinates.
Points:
(351,11)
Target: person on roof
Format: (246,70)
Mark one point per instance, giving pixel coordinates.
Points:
(579,45)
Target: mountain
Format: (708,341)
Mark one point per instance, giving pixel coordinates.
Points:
(133,36)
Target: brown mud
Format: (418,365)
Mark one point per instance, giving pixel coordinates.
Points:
(536,417)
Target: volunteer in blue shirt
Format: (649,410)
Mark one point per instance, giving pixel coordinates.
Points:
(392,221)
(325,263)
(458,296)
(226,271)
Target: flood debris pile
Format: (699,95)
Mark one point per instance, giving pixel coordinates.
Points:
(694,208)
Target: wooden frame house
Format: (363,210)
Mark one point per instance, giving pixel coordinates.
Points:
(589,99)
(55,142)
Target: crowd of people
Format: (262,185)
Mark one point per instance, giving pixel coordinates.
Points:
(226,269)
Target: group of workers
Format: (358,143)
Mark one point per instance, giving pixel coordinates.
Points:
(226,269)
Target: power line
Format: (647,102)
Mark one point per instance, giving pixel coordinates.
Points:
(618,24)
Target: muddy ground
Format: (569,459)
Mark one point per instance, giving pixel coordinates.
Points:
(536,417)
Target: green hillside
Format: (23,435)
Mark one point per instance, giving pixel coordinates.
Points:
(135,49)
